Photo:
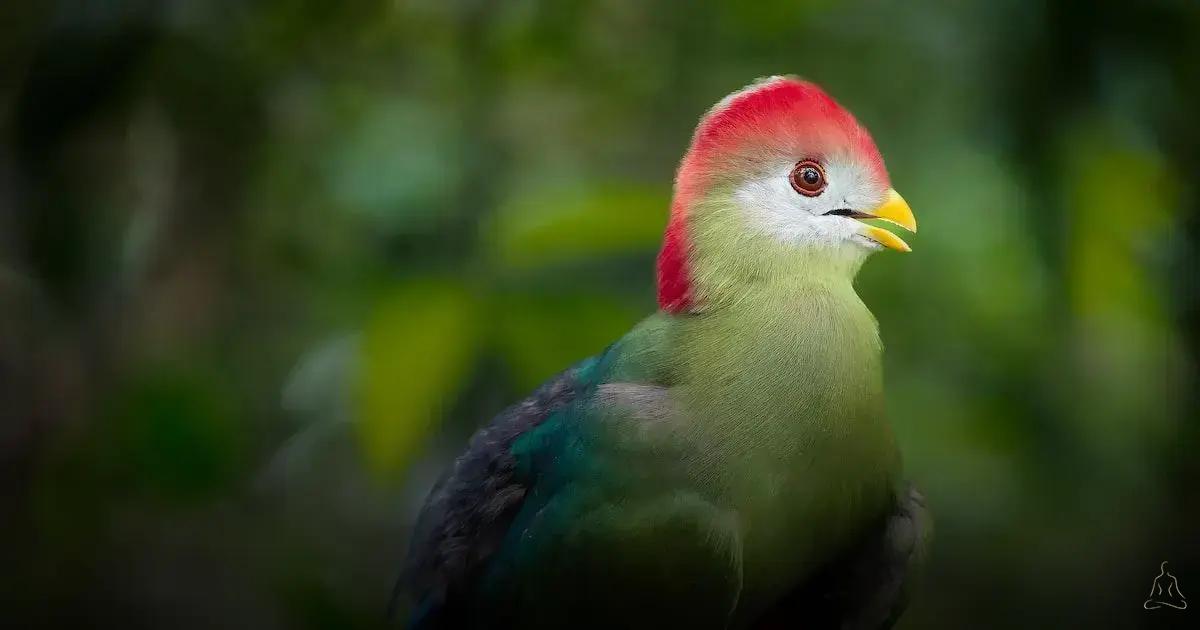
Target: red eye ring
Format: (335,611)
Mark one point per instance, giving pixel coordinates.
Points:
(808,178)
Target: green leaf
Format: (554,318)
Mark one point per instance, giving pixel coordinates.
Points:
(542,334)
(418,347)
(392,164)
(552,226)
(178,436)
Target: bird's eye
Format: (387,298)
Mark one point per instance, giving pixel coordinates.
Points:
(808,178)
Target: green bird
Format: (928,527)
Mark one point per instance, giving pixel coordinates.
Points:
(727,463)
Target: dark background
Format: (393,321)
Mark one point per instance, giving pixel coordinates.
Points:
(265,265)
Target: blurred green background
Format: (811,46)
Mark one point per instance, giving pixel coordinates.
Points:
(264,266)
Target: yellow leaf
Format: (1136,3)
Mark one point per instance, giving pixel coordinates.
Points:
(418,346)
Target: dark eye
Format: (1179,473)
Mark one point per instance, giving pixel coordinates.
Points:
(808,178)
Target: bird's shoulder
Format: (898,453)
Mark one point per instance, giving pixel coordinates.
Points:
(467,514)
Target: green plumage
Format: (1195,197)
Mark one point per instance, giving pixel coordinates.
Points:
(747,442)
(718,464)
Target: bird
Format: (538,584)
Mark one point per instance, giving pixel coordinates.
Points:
(727,463)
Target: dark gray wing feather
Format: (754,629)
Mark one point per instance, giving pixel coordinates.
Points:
(468,512)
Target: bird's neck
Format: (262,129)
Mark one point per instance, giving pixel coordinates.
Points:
(727,272)
(782,323)
(787,358)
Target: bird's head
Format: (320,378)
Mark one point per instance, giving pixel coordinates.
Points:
(776,183)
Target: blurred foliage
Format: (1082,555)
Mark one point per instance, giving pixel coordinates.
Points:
(265,266)
(416,347)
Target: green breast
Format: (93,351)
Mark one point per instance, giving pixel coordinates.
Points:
(784,404)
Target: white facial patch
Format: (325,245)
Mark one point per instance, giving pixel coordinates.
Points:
(774,207)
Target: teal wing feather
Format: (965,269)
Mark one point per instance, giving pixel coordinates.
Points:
(611,534)
(563,506)
(469,510)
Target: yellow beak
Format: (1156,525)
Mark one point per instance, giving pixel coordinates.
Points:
(894,210)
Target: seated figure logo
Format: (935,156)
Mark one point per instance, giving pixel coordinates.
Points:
(1165,591)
